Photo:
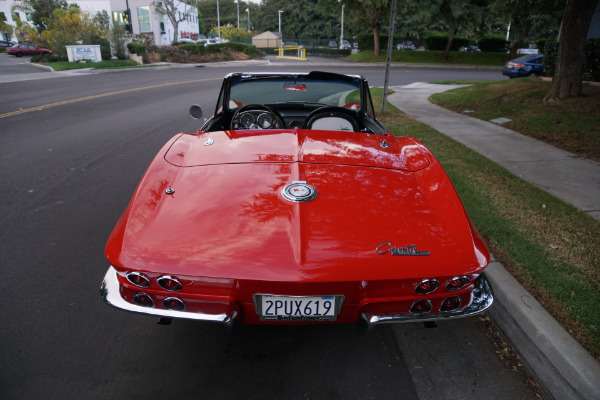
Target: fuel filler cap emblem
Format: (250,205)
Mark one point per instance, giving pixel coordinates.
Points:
(299,192)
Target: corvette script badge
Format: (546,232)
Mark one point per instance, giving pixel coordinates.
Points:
(299,192)
(410,250)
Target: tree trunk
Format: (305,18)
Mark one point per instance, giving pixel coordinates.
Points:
(446,53)
(176,29)
(376,31)
(569,63)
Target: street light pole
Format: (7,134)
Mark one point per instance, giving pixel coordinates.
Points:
(218,20)
(238,11)
(279,12)
(342,34)
(248,11)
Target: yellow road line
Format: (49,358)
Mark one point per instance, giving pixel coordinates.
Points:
(97,96)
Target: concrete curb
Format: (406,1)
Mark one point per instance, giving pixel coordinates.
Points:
(557,361)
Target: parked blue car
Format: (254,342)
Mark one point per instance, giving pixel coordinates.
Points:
(527,65)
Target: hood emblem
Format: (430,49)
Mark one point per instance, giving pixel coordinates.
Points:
(299,192)
(410,250)
(209,142)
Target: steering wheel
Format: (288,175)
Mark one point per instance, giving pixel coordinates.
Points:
(331,118)
(255,116)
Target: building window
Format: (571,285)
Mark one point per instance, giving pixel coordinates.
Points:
(161,23)
(2,16)
(120,18)
(144,19)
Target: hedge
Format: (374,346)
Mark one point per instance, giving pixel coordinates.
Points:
(138,48)
(591,61)
(439,42)
(492,43)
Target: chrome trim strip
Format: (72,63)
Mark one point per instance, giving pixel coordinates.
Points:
(483,297)
(111,294)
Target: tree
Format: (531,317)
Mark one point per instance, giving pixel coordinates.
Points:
(6,29)
(117,38)
(233,33)
(70,27)
(529,19)
(207,11)
(41,11)
(568,73)
(169,8)
(368,12)
(301,19)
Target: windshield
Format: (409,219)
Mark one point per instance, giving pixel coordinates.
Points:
(291,91)
(528,57)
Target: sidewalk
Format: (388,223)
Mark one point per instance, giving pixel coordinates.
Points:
(557,361)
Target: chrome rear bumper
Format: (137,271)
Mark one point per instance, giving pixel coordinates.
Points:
(111,294)
(483,297)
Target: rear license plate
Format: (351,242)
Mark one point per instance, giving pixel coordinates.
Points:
(297,308)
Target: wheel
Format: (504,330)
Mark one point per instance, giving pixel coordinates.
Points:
(255,116)
(332,119)
(19,54)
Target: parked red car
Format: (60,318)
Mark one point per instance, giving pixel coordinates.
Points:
(23,49)
(293,204)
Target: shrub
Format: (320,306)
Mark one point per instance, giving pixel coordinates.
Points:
(46,58)
(438,42)
(493,43)
(540,43)
(365,41)
(591,61)
(136,48)
(550,51)
(104,48)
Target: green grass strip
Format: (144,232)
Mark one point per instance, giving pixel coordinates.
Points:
(550,246)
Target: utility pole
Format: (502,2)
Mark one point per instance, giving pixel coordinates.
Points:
(389,55)
(218,20)
(342,34)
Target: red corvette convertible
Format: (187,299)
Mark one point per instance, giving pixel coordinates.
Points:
(293,204)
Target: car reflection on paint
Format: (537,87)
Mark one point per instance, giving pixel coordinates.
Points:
(294,204)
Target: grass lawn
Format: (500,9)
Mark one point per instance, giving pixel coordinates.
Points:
(434,57)
(571,124)
(108,64)
(552,248)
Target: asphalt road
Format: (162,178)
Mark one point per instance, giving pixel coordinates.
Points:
(72,150)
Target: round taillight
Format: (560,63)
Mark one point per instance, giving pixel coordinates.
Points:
(173,303)
(169,283)
(457,283)
(143,299)
(421,307)
(450,303)
(427,286)
(138,279)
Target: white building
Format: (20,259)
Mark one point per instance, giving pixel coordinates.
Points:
(144,18)
(12,18)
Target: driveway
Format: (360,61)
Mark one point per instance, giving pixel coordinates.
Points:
(11,65)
